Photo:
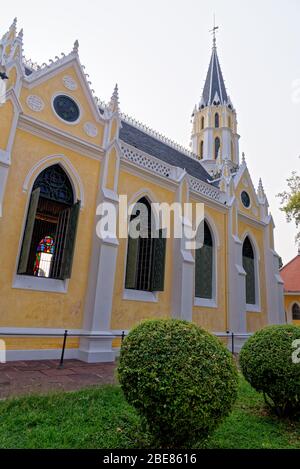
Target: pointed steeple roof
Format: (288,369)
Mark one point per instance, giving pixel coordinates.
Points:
(214,91)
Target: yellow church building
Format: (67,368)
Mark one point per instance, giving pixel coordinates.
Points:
(63,152)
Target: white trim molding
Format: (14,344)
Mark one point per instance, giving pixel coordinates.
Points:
(205,302)
(257,306)
(29,282)
(140,295)
(65,163)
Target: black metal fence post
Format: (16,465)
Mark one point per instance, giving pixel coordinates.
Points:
(61,363)
(232,343)
(123,336)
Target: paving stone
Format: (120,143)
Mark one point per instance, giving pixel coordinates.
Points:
(36,377)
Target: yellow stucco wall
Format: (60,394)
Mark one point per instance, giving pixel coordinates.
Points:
(53,86)
(6,118)
(245,185)
(25,308)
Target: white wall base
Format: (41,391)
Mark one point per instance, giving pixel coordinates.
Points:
(40,354)
(238,343)
(96,350)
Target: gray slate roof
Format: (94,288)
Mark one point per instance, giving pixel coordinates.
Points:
(144,142)
(214,83)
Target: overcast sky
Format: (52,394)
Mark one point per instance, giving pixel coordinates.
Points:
(158,51)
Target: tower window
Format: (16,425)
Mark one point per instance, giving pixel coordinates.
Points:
(217,147)
(249,267)
(217,120)
(202,123)
(145,266)
(201,149)
(296,312)
(50,232)
(204,266)
(229,122)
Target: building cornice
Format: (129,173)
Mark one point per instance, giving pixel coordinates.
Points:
(52,134)
(252,221)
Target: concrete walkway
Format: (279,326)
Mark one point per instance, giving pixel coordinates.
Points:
(26,377)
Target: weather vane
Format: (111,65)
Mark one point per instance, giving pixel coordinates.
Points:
(213,31)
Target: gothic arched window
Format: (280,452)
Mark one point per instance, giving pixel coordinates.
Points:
(201,149)
(217,147)
(249,267)
(145,267)
(204,266)
(296,312)
(217,120)
(202,123)
(50,231)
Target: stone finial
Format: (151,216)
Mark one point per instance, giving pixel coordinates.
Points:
(219,161)
(260,190)
(226,173)
(114,100)
(14,24)
(243,158)
(20,35)
(76,47)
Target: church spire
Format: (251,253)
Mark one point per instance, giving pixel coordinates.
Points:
(214,91)
(214,134)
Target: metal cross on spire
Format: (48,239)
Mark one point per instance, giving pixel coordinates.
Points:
(213,31)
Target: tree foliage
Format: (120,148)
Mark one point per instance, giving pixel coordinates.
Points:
(180,379)
(290,201)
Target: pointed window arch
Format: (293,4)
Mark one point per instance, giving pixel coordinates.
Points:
(202,122)
(146,251)
(249,267)
(204,266)
(296,312)
(201,149)
(217,147)
(217,120)
(50,230)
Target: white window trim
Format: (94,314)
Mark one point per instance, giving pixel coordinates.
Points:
(205,302)
(211,302)
(254,308)
(29,282)
(140,295)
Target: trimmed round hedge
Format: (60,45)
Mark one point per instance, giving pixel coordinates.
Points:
(267,364)
(179,378)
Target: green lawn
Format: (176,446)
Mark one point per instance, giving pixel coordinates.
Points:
(100,418)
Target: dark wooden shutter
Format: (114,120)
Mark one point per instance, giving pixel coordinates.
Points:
(65,242)
(27,237)
(158,262)
(248,264)
(132,262)
(204,272)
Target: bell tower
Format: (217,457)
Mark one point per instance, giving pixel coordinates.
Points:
(214,133)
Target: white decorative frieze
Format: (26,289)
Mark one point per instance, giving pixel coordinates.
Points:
(35,103)
(147,161)
(206,189)
(90,129)
(155,165)
(70,83)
